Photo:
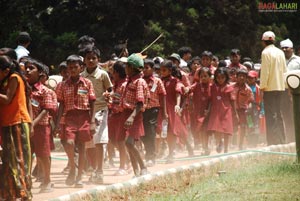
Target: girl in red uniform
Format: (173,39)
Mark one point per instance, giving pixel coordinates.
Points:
(176,128)
(222,105)
(201,96)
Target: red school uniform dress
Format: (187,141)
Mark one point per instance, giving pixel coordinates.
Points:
(76,98)
(42,98)
(244,97)
(175,123)
(115,133)
(136,91)
(201,96)
(220,117)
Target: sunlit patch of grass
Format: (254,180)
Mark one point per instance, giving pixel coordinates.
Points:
(263,181)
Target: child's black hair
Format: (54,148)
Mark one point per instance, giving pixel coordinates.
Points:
(8,52)
(221,71)
(62,66)
(23,38)
(91,49)
(207,54)
(38,64)
(184,50)
(74,58)
(190,62)
(222,63)
(231,70)
(119,67)
(13,65)
(204,70)
(149,62)
(176,72)
(167,63)
(242,71)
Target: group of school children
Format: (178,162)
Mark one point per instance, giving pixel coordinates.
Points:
(120,106)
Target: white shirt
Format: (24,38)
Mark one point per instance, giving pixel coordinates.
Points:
(182,63)
(293,63)
(21,52)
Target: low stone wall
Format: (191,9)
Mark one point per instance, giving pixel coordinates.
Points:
(188,173)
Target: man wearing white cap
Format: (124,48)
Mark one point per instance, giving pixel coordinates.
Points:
(292,63)
(272,85)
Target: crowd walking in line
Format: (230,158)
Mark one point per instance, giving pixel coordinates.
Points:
(143,108)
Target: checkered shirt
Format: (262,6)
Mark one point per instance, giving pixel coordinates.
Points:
(118,91)
(43,98)
(136,91)
(156,89)
(76,96)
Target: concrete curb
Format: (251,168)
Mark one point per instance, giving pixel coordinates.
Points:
(206,166)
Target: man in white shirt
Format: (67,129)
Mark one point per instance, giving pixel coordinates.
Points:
(272,85)
(293,63)
(23,41)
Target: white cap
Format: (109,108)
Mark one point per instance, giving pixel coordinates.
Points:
(123,59)
(286,43)
(268,35)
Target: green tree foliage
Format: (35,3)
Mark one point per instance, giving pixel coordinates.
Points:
(218,26)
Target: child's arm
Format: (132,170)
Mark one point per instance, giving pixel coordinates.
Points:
(207,110)
(43,113)
(59,115)
(163,103)
(177,106)
(233,104)
(92,116)
(11,90)
(136,110)
(29,109)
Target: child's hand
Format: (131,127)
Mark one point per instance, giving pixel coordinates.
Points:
(177,109)
(31,130)
(92,128)
(165,116)
(107,97)
(237,117)
(129,122)
(186,90)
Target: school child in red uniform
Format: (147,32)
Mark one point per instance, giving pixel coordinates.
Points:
(222,105)
(176,128)
(63,71)
(243,98)
(76,97)
(194,65)
(156,102)
(201,97)
(133,102)
(206,61)
(15,122)
(43,103)
(116,136)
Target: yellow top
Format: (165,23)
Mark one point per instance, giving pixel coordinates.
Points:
(273,66)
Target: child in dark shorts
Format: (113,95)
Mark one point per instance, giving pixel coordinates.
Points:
(44,103)
(76,96)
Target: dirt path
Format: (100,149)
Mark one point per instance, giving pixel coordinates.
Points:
(59,162)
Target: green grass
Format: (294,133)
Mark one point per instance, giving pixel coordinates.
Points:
(269,180)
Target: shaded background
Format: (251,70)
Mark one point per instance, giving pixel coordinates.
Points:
(218,26)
